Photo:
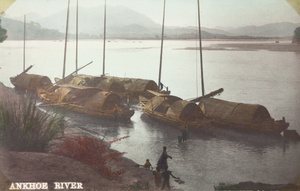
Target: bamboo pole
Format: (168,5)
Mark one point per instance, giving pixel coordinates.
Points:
(66,40)
(104,39)
(200,45)
(77,37)
(24,42)
(161,47)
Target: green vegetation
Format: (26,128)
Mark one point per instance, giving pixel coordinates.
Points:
(2,33)
(297,35)
(223,186)
(139,185)
(23,127)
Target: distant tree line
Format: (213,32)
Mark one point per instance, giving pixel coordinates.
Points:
(296,38)
(3,35)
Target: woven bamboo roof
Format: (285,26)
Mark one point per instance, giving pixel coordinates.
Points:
(103,100)
(238,113)
(174,107)
(86,96)
(141,85)
(104,83)
(115,84)
(185,110)
(31,81)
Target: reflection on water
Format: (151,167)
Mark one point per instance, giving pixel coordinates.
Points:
(208,158)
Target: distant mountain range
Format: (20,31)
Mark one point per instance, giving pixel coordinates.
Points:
(126,23)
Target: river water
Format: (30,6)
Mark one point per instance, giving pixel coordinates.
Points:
(269,78)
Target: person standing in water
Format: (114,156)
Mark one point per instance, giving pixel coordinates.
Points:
(116,113)
(157,177)
(166,175)
(184,132)
(162,162)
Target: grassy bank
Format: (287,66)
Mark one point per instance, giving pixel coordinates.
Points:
(51,159)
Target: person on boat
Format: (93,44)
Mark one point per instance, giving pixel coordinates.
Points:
(166,175)
(162,162)
(157,177)
(184,132)
(147,164)
(161,86)
(116,112)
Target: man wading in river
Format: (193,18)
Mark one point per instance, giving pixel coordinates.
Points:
(116,113)
(162,162)
(166,175)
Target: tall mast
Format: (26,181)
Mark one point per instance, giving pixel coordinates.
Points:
(104,38)
(200,45)
(77,37)
(161,46)
(24,43)
(66,39)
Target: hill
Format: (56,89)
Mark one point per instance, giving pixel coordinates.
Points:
(125,23)
(122,22)
(15,31)
(283,29)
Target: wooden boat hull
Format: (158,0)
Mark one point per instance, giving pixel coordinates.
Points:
(265,125)
(198,124)
(129,89)
(275,127)
(124,116)
(171,117)
(240,116)
(86,100)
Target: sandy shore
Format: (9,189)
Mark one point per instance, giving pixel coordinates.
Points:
(254,46)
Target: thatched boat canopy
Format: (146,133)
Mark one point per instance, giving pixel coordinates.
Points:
(101,82)
(72,93)
(112,83)
(30,82)
(161,103)
(103,101)
(85,80)
(174,107)
(185,110)
(238,113)
(141,85)
(86,96)
(134,84)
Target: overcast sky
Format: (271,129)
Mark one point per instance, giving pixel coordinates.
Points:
(214,13)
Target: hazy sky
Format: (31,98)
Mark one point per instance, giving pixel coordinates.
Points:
(225,13)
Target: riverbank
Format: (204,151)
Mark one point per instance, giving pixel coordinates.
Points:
(257,186)
(50,168)
(271,45)
(289,47)
(33,167)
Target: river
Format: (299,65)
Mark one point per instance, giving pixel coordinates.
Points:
(269,78)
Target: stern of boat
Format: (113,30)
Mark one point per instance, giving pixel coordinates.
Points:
(143,101)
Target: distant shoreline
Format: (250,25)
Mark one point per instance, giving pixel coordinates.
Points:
(254,45)
(274,44)
(166,39)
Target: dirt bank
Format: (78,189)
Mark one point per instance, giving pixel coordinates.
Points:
(49,168)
